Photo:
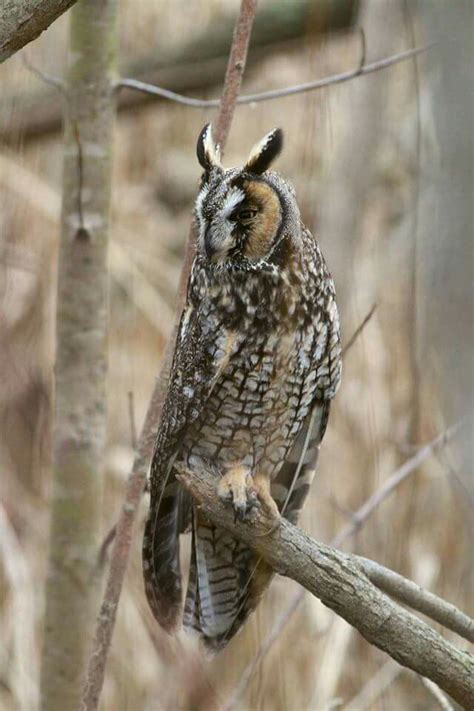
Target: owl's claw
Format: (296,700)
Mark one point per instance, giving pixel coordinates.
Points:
(262,487)
(246,493)
(236,487)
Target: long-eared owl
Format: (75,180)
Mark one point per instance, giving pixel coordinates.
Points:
(256,365)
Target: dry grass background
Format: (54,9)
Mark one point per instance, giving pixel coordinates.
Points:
(349,148)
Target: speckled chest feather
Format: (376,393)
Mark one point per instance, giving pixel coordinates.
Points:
(273,325)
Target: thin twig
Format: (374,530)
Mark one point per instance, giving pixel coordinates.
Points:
(111,533)
(359,330)
(136,480)
(235,70)
(414,326)
(133,424)
(57,82)
(105,545)
(275,93)
(363,44)
(357,520)
(407,468)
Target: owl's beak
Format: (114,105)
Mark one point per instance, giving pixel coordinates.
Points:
(212,246)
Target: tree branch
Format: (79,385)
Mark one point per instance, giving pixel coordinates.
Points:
(22,21)
(409,593)
(136,481)
(407,468)
(195,65)
(358,519)
(339,581)
(274,93)
(235,70)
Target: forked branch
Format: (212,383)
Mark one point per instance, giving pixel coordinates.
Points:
(339,581)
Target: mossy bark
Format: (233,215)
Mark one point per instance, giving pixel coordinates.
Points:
(80,415)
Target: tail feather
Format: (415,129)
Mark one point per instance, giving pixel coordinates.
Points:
(221,588)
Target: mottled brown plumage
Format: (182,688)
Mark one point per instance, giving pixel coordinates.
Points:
(257,362)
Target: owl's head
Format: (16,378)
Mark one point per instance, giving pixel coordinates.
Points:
(243,214)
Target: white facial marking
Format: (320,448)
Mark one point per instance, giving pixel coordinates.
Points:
(222,226)
(202,226)
(233,198)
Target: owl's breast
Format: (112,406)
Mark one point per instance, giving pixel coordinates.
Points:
(258,404)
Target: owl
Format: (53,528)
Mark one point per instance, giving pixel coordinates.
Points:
(256,364)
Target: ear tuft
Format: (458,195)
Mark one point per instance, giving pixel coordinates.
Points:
(264,152)
(207,152)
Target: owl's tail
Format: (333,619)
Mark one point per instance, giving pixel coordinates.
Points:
(226,579)
(226,582)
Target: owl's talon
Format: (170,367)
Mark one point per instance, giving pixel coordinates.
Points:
(235,487)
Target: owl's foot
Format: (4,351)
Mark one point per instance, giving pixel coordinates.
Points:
(261,484)
(236,487)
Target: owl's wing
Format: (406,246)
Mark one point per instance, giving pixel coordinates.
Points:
(203,349)
(296,475)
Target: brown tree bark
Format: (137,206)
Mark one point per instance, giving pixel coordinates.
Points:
(341,581)
(22,21)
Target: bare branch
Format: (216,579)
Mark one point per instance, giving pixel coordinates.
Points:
(194,65)
(274,93)
(133,424)
(359,330)
(409,593)
(136,480)
(357,520)
(337,579)
(24,20)
(235,70)
(49,79)
(407,468)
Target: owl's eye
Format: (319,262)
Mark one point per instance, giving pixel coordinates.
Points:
(246,214)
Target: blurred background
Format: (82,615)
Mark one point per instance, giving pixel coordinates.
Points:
(382,167)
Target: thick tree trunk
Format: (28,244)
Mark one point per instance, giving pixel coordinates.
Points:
(81,361)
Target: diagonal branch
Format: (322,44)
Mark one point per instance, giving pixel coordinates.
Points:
(407,468)
(22,22)
(358,519)
(136,481)
(339,581)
